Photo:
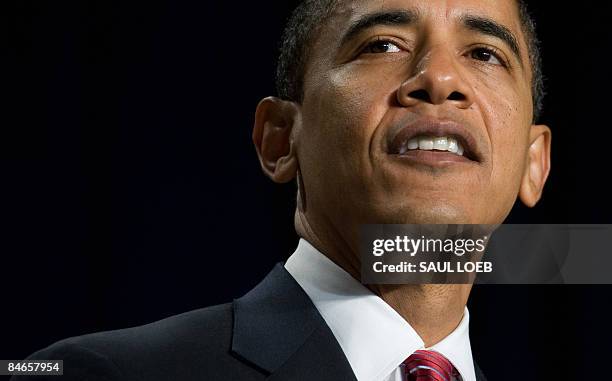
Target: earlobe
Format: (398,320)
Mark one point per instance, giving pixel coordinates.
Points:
(275,120)
(537,166)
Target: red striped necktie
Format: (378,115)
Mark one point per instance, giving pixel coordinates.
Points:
(429,365)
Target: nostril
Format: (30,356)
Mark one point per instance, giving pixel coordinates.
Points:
(422,95)
(456,96)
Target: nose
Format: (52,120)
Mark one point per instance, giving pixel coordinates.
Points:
(437,80)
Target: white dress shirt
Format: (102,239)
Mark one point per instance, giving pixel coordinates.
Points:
(372,335)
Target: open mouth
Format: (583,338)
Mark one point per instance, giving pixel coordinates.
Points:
(433,143)
(434,140)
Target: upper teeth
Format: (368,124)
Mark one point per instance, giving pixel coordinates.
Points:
(430,143)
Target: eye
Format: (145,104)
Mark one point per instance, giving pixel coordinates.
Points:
(381,46)
(486,55)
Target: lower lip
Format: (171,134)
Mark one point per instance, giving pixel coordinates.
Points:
(433,158)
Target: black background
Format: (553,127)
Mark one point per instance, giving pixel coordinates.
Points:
(131,190)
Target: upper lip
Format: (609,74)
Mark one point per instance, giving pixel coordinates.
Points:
(434,128)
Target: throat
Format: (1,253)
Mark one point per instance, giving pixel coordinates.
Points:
(433,311)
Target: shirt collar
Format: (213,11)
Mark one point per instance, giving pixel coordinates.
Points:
(372,335)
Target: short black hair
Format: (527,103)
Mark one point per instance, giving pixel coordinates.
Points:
(303,28)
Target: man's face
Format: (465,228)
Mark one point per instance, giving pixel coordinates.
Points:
(438,75)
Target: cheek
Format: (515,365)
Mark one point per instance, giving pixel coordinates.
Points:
(507,117)
(343,110)
(353,98)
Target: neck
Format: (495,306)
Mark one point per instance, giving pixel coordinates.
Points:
(432,310)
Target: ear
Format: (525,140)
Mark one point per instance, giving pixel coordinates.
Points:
(272,135)
(537,167)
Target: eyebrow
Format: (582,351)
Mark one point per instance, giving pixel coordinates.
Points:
(480,24)
(392,17)
(492,28)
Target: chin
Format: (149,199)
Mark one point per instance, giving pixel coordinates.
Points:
(434,214)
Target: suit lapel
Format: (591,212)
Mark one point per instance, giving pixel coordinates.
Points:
(278,330)
(479,375)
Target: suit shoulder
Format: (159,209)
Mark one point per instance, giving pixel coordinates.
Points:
(194,338)
(209,325)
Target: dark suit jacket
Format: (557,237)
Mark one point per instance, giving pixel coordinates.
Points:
(272,333)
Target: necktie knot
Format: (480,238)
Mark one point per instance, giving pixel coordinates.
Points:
(429,365)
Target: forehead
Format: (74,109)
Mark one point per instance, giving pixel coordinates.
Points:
(502,10)
(436,12)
